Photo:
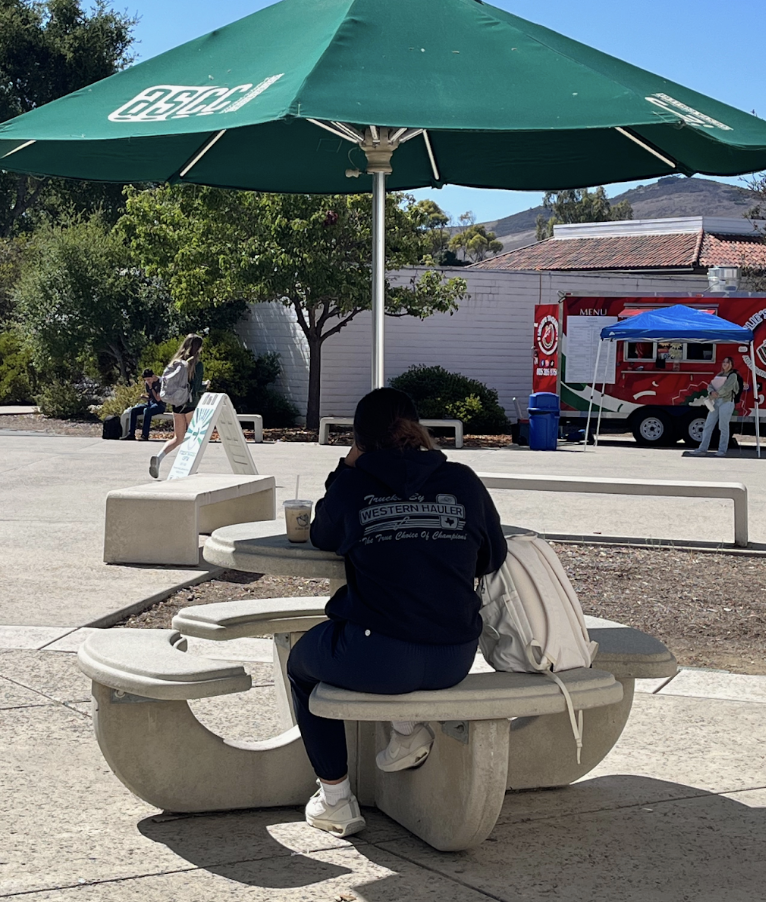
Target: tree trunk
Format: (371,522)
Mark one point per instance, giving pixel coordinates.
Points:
(315,381)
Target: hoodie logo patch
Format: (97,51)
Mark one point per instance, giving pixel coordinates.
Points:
(443,513)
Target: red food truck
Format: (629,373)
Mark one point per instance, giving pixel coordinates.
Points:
(656,390)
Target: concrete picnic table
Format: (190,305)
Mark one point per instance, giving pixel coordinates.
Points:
(494,731)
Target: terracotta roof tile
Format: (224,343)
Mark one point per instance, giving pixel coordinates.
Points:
(684,250)
(733,250)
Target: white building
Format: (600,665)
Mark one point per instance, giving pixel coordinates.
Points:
(490,337)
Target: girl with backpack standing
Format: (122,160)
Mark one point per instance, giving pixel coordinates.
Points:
(188,357)
(724,399)
(415,530)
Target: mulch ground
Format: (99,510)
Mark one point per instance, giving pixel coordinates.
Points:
(91,428)
(709,608)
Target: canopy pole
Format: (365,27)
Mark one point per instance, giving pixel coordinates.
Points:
(755,395)
(600,409)
(378,278)
(590,401)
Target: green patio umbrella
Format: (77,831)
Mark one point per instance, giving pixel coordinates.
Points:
(304,95)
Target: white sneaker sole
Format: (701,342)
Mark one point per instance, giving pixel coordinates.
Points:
(329,826)
(414,759)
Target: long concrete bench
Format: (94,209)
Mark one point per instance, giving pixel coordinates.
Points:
(160,523)
(255,418)
(735,491)
(326,422)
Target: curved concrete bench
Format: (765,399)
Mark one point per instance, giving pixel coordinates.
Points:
(287,619)
(141,682)
(539,745)
(143,679)
(471,749)
(251,617)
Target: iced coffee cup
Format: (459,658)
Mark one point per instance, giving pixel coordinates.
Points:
(298,519)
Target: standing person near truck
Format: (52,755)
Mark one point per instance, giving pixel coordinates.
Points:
(415,530)
(723,398)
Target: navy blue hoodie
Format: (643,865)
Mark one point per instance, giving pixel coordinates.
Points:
(415,530)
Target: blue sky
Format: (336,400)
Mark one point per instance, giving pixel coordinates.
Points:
(712,46)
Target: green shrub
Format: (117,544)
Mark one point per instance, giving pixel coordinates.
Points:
(277,411)
(64,400)
(439,394)
(122,397)
(17,374)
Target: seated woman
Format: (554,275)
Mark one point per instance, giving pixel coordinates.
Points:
(415,531)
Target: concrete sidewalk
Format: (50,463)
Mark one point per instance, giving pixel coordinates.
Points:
(53,492)
(675,812)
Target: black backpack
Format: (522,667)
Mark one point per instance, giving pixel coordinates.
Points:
(112,428)
(740,387)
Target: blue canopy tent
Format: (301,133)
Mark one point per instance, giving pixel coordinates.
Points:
(676,323)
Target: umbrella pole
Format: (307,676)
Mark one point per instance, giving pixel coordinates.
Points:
(590,400)
(755,395)
(378,278)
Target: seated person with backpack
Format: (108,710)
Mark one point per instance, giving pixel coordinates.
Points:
(415,530)
(150,405)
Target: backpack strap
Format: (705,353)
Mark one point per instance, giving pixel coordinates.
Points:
(576,723)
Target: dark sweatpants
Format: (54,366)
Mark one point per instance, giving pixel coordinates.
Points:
(351,657)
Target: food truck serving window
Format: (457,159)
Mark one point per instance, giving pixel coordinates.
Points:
(644,351)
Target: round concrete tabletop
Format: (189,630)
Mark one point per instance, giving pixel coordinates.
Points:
(263,548)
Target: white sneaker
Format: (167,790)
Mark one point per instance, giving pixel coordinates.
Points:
(342,819)
(406,751)
(154,468)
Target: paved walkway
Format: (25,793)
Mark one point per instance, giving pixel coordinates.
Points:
(675,812)
(53,491)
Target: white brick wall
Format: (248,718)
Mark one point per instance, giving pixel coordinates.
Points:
(274,327)
(489,338)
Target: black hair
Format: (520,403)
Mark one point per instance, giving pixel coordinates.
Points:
(146,373)
(388,418)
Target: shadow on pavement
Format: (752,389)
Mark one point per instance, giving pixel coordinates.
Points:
(618,837)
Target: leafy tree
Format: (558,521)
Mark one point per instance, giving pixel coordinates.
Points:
(435,222)
(11,256)
(755,279)
(309,252)
(475,242)
(49,48)
(579,205)
(83,306)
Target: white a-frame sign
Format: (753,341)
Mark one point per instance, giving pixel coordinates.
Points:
(214,411)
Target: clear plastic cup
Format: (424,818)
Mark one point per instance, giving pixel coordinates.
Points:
(298,519)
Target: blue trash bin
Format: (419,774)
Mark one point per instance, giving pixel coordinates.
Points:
(544,412)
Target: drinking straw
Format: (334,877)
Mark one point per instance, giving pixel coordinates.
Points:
(297,485)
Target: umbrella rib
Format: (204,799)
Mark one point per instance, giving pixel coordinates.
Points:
(336,129)
(205,148)
(431,157)
(645,146)
(16,149)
